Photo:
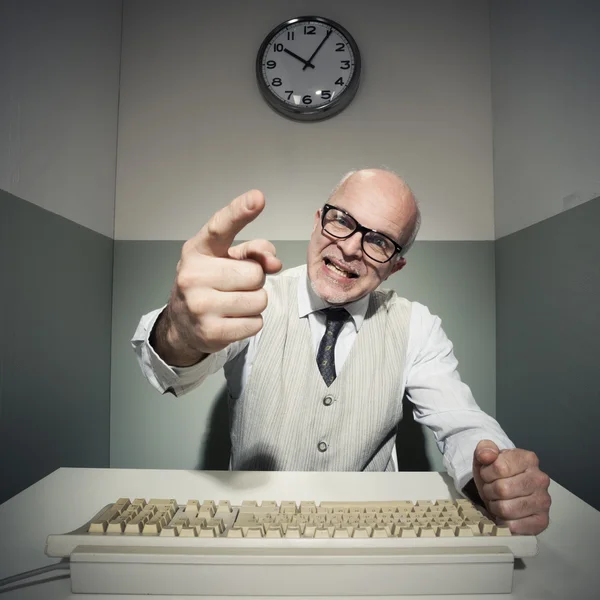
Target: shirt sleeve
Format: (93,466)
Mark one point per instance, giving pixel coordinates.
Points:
(175,380)
(441,401)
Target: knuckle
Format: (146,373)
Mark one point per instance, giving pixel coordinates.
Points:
(532,458)
(187,247)
(542,520)
(546,502)
(185,278)
(501,468)
(263,300)
(502,488)
(200,306)
(253,327)
(210,330)
(256,274)
(212,227)
(502,509)
(544,480)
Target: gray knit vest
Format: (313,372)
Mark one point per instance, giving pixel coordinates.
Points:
(287,419)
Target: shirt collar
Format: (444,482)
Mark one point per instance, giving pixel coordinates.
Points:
(309,302)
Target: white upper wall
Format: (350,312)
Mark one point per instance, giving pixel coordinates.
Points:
(194,131)
(546,99)
(59,83)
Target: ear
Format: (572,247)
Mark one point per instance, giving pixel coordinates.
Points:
(317,223)
(397,266)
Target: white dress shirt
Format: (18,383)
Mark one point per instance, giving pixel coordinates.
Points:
(441,400)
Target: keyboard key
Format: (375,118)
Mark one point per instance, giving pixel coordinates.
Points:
(293,531)
(361,532)
(208,532)
(426,531)
(254,532)
(224,508)
(235,532)
(501,530)
(308,508)
(274,531)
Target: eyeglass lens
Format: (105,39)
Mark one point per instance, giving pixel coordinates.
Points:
(340,225)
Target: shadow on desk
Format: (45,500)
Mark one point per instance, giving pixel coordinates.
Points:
(410,441)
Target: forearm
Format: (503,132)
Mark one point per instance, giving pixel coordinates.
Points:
(170,345)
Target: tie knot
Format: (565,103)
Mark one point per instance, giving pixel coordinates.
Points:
(338,315)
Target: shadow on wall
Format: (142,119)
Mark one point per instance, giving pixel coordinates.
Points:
(410,440)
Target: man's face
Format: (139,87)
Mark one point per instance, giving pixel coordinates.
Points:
(338,269)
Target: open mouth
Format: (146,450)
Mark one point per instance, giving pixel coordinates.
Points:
(338,270)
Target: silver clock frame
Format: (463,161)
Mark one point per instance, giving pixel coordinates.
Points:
(307,113)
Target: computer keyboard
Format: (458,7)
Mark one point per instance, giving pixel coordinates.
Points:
(289,548)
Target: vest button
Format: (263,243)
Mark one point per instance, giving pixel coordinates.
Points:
(327,401)
(322,446)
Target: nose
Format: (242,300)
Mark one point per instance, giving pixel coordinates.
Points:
(352,246)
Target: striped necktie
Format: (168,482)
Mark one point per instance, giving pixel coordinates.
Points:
(336,317)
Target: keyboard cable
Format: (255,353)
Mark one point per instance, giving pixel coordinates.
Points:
(64,564)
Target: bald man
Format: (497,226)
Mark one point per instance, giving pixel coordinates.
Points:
(317,359)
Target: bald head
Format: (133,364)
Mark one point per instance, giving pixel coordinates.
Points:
(382,185)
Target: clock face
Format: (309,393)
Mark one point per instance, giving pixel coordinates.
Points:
(308,68)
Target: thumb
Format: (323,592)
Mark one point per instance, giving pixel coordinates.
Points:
(485,453)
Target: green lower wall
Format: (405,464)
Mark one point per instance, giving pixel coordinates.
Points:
(55,316)
(455,279)
(548,323)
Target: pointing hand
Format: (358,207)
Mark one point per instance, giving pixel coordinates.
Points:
(218,295)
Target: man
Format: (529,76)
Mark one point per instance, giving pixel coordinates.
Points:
(315,389)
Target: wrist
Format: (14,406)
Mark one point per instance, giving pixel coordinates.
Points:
(170,345)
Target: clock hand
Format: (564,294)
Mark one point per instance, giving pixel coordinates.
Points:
(309,61)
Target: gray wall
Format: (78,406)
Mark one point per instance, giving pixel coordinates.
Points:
(455,279)
(548,324)
(55,317)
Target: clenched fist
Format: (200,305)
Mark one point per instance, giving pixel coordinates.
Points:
(512,487)
(218,295)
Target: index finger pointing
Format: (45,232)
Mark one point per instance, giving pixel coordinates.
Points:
(216,237)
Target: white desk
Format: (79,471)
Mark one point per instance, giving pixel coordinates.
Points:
(567,566)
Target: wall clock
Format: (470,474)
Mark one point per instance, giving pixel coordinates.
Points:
(308,68)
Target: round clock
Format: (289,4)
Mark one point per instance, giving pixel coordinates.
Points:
(308,68)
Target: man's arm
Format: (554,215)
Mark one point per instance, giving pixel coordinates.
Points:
(483,462)
(442,401)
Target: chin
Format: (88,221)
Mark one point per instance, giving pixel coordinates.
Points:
(333,295)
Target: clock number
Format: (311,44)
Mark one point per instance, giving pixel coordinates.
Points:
(339,81)
(290,35)
(277,47)
(289,93)
(345,65)
(271,64)
(339,47)
(326,95)
(309,30)
(306,99)
(276,82)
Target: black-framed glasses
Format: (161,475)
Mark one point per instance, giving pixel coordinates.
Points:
(341,224)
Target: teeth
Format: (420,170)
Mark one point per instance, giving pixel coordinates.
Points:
(333,266)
